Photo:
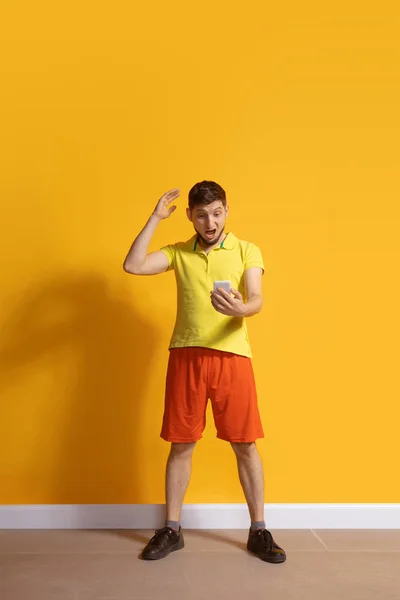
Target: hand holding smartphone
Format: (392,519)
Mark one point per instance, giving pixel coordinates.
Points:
(225,285)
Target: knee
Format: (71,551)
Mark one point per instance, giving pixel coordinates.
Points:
(244,449)
(182,450)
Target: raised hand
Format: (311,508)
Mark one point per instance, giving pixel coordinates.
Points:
(163,209)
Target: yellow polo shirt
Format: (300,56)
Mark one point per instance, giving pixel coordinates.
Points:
(197,322)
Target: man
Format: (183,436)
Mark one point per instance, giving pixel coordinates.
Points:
(210,356)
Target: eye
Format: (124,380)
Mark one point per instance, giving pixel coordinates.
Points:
(218,214)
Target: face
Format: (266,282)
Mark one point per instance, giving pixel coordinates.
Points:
(209,221)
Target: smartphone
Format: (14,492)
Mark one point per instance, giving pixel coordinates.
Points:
(225,285)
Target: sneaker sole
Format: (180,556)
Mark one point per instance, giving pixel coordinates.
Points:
(276,560)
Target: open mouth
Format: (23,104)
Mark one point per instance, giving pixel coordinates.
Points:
(210,233)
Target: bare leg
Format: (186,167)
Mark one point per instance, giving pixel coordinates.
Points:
(251,477)
(179,466)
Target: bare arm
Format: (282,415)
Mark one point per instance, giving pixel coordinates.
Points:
(253,282)
(138,261)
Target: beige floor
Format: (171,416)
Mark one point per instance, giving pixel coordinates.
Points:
(104,565)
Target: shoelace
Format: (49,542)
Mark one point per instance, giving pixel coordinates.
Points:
(267,539)
(166,531)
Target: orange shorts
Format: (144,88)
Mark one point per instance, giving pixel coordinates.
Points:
(197,374)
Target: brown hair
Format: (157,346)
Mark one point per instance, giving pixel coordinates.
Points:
(206,192)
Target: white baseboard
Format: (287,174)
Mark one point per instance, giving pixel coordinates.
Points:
(199,516)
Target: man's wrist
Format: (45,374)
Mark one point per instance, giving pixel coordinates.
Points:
(154,219)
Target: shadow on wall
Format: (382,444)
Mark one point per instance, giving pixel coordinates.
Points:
(81,344)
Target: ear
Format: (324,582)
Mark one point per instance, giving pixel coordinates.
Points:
(227,209)
(189,214)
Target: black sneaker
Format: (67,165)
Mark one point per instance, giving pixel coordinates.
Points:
(262,544)
(164,541)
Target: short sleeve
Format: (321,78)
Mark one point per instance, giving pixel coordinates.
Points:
(169,252)
(253,257)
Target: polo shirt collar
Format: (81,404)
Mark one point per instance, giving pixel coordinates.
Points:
(230,241)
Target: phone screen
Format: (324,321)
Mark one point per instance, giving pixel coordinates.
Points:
(225,285)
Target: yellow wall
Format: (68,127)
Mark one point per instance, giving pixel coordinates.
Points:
(295,111)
